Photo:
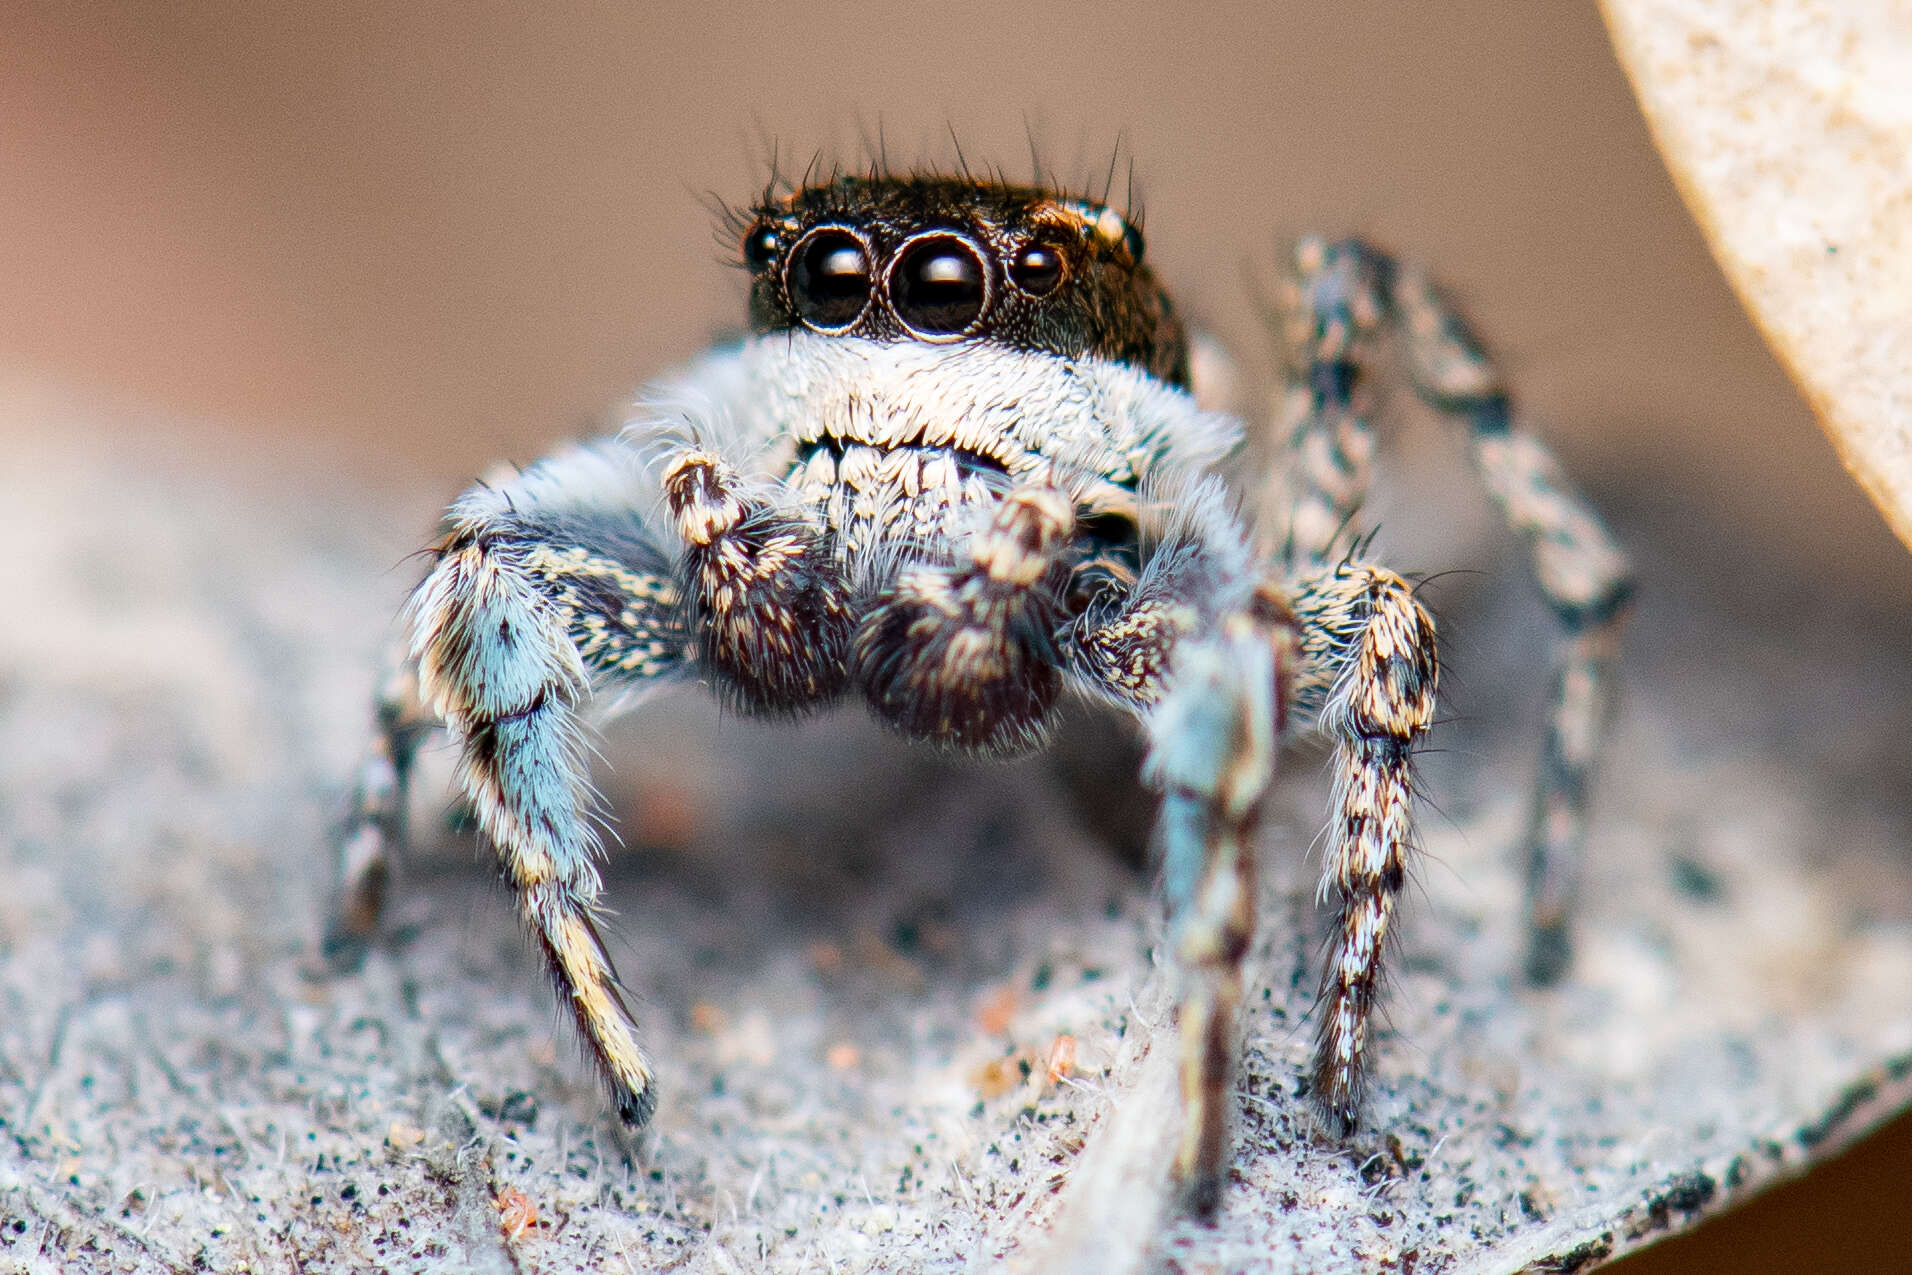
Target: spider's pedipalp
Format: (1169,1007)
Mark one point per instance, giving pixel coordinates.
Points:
(965,655)
(1363,630)
(768,604)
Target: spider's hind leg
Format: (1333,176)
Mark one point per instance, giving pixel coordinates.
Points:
(1332,303)
(1582,572)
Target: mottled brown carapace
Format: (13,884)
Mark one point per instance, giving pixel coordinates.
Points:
(957,473)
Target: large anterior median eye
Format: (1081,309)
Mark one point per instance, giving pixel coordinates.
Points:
(939,286)
(829,278)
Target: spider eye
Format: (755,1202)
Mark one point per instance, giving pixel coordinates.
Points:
(939,286)
(761,243)
(830,279)
(1133,241)
(1037,269)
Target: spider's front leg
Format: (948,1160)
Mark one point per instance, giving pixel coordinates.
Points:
(1369,661)
(543,590)
(554,587)
(1212,753)
(1208,670)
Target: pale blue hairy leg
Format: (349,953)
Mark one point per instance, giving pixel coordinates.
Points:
(1211,753)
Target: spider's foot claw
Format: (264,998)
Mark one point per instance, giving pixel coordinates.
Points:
(1203,1194)
(353,923)
(344,950)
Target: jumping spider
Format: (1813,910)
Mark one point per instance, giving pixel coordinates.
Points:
(955,470)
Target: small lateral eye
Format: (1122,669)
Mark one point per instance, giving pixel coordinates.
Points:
(761,243)
(1136,245)
(829,279)
(939,286)
(1037,269)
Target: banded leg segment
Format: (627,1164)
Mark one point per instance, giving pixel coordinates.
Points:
(1365,631)
(1331,304)
(526,609)
(1582,573)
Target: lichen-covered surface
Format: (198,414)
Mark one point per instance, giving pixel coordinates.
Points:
(862,968)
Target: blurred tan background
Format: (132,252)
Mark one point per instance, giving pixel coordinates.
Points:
(409,239)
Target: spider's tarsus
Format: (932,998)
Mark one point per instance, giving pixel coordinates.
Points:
(1549,953)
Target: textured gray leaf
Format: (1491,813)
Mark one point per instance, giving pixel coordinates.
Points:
(846,952)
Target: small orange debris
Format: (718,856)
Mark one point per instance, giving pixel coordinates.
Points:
(707,1018)
(998,1010)
(875,956)
(1062,1058)
(516,1212)
(997,1076)
(403,1137)
(843,1056)
(1000,1075)
(939,939)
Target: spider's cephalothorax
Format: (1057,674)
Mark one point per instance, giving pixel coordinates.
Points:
(957,472)
(944,260)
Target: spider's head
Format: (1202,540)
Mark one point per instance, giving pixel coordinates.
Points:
(946,259)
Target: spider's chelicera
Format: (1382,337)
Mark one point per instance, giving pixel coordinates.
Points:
(956,472)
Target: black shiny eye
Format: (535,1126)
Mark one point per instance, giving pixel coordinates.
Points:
(761,243)
(830,279)
(1037,269)
(939,286)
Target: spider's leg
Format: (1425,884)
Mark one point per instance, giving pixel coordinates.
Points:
(965,654)
(1369,659)
(544,590)
(1331,304)
(374,833)
(1211,753)
(1583,574)
(1204,662)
